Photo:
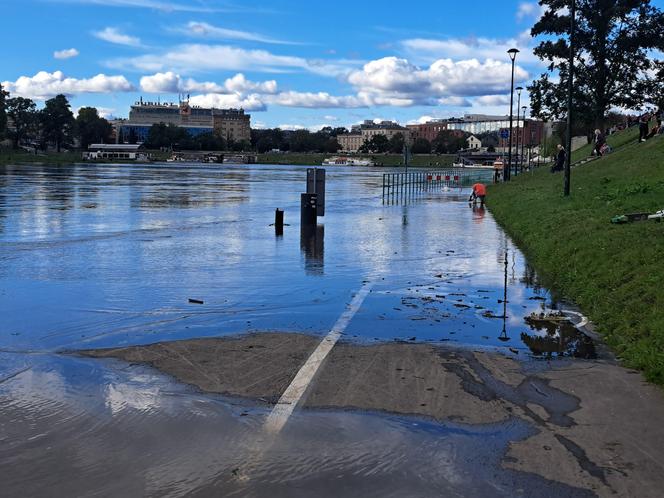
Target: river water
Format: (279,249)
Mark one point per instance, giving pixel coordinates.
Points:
(106,255)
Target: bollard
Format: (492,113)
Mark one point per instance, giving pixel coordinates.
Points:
(308,210)
(279,221)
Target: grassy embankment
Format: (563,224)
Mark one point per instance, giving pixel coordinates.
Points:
(21,156)
(613,272)
(419,160)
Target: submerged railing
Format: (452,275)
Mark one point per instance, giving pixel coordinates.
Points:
(404,187)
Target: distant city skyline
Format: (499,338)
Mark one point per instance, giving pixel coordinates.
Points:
(290,64)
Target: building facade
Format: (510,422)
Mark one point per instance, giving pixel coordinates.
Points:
(195,120)
(428,131)
(473,143)
(350,142)
(232,124)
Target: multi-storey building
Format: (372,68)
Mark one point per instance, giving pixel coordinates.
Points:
(229,123)
(232,124)
(351,142)
(429,131)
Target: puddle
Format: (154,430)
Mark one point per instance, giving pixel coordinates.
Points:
(81,427)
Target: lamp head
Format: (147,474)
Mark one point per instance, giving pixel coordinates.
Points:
(512,53)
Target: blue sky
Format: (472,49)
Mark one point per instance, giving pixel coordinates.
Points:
(290,63)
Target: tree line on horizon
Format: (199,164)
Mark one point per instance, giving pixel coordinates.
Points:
(615,67)
(53,125)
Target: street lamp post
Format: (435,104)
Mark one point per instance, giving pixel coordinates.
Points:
(507,168)
(523,141)
(570,88)
(518,117)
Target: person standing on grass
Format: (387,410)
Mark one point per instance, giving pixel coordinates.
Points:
(479,192)
(600,141)
(643,127)
(561,157)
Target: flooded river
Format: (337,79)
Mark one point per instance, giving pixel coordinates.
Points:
(97,256)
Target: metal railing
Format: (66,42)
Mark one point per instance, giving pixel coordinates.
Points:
(404,187)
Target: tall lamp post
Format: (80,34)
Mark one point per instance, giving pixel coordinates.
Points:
(518,117)
(523,141)
(570,88)
(507,168)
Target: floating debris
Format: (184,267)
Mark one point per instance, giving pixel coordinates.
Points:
(195,301)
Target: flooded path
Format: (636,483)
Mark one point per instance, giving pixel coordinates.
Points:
(437,387)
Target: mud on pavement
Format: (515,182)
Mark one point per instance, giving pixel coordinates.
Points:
(591,428)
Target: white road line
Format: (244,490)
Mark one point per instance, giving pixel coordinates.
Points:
(292,395)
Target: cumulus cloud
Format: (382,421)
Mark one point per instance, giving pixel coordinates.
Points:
(251,102)
(170,82)
(397,82)
(114,35)
(482,48)
(44,85)
(65,54)
(316,100)
(205,30)
(493,100)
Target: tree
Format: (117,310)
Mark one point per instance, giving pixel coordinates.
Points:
(23,114)
(449,142)
(421,146)
(162,135)
(613,64)
(92,128)
(3,112)
(378,144)
(57,121)
(396,144)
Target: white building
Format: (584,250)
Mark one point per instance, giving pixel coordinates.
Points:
(473,143)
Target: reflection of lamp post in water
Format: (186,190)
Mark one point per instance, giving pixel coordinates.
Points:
(503,335)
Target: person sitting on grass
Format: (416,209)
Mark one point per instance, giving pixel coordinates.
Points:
(561,157)
(479,192)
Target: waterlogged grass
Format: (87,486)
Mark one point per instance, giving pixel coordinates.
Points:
(615,273)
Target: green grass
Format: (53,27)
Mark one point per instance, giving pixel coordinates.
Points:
(419,160)
(615,273)
(21,156)
(616,141)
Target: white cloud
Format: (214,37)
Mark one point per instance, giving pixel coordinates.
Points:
(239,83)
(205,30)
(164,6)
(65,54)
(530,10)
(170,82)
(427,49)
(493,100)
(251,102)
(114,35)
(330,118)
(201,57)
(44,85)
(316,100)
(397,82)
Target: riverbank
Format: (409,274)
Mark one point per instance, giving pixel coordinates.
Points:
(418,160)
(613,272)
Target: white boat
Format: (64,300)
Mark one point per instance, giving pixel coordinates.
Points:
(347,161)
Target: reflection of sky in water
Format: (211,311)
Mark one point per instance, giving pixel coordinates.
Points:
(95,255)
(84,427)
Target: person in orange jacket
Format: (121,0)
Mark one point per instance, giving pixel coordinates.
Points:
(479,192)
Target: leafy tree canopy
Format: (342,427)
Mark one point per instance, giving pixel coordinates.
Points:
(613,66)
(57,121)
